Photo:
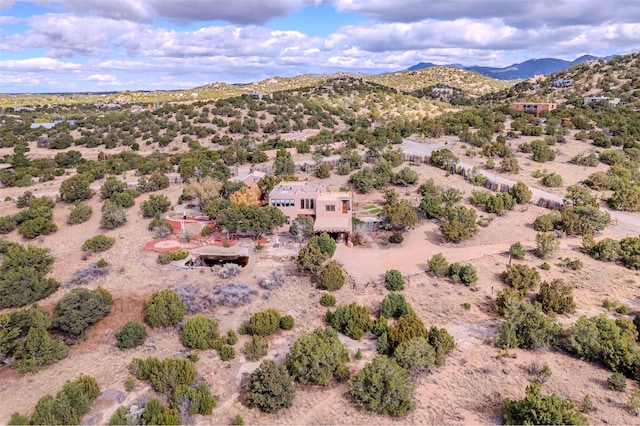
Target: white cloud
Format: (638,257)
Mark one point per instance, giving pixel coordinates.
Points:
(9,20)
(38,65)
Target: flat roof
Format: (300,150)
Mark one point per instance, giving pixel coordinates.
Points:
(332,224)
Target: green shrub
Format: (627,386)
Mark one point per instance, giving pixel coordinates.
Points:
(68,407)
(199,332)
(155,205)
(465,274)
(617,382)
(231,338)
(415,355)
(328,300)
(442,342)
(353,320)
(546,222)
(525,326)
(22,265)
(396,238)
(264,323)
(383,387)
(165,375)
(331,277)
(7,224)
(318,356)
(79,213)
(205,231)
(520,277)
(438,265)
(227,353)
(193,400)
(36,227)
(546,245)
(612,342)
(287,322)
(395,305)
(113,215)
(270,388)
(237,420)
(325,243)
(155,413)
(80,309)
(164,308)
(257,348)
(76,188)
(556,297)
(98,243)
(517,250)
(129,384)
(535,408)
(131,335)
(408,327)
(552,180)
(168,257)
(466,305)
(521,193)
(505,297)
(393,280)
(545,266)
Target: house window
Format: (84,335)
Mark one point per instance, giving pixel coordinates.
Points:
(331,207)
(311,202)
(302,203)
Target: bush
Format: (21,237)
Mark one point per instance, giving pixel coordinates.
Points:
(415,355)
(7,224)
(505,297)
(318,356)
(459,225)
(98,243)
(393,280)
(442,342)
(331,277)
(395,238)
(227,353)
(328,300)
(76,188)
(193,400)
(237,420)
(517,250)
(521,193)
(556,297)
(552,180)
(155,205)
(155,413)
(165,375)
(25,342)
(525,326)
(607,250)
(546,245)
(287,322)
(617,382)
(131,335)
(168,257)
(408,327)
(546,222)
(22,275)
(537,409)
(301,228)
(395,305)
(68,407)
(80,309)
(199,332)
(36,227)
(465,274)
(612,342)
(80,213)
(257,348)
(520,277)
(113,215)
(264,323)
(270,388)
(353,320)
(438,265)
(164,308)
(383,387)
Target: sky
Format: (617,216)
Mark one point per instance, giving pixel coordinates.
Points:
(114,45)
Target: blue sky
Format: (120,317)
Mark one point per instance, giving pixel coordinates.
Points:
(105,45)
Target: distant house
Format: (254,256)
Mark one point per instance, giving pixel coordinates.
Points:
(331,211)
(257,95)
(601,100)
(561,83)
(533,107)
(51,124)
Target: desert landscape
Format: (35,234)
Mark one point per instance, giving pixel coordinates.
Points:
(403,217)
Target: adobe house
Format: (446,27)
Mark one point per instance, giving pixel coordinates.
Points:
(331,211)
(533,107)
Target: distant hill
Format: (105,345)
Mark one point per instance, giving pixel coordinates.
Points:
(523,70)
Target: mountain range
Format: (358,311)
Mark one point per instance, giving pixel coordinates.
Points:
(522,70)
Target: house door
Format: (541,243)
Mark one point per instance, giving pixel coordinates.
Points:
(345,206)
